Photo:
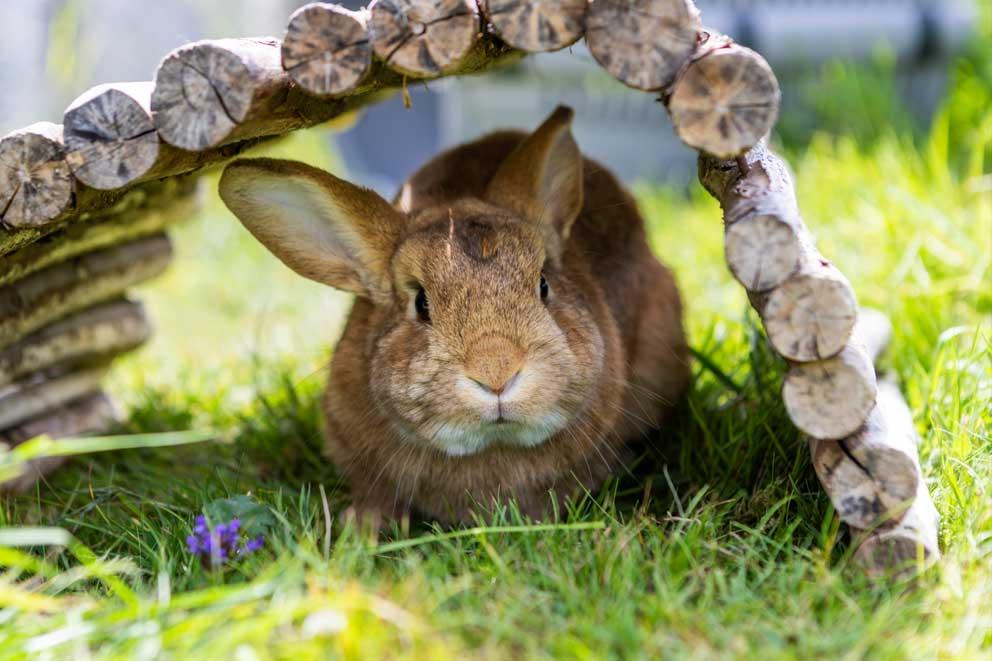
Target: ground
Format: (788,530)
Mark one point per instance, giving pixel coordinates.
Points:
(719,542)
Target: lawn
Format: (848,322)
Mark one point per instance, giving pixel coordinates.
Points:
(718,542)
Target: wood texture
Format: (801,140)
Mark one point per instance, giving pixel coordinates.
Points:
(35,182)
(831,399)
(327,49)
(144,212)
(424,38)
(110,138)
(725,101)
(92,413)
(901,547)
(89,336)
(48,295)
(642,43)
(536,26)
(26,399)
(205,91)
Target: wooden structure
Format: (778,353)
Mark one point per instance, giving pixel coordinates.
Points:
(83,205)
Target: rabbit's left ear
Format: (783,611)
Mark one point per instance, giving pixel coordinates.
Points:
(322,227)
(541,180)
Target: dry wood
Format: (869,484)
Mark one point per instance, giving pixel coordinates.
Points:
(110,138)
(327,49)
(642,43)
(35,182)
(92,413)
(147,211)
(765,240)
(831,399)
(725,101)
(901,546)
(537,25)
(40,393)
(87,337)
(424,39)
(39,299)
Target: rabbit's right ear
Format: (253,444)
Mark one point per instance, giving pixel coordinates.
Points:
(322,227)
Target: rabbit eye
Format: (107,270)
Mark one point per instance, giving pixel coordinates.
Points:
(422,306)
(544,288)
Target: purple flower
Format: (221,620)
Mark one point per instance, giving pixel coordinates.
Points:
(223,543)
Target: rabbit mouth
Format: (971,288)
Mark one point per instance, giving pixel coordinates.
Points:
(459,441)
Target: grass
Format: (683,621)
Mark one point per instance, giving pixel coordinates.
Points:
(720,542)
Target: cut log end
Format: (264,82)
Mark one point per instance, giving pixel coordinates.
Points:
(36,184)
(762,251)
(424,39)
(904,546)
(538,25)
(109,135)
(831,399)
(204,90)
(811,315)
(725,102)
(642,43)
(327,49)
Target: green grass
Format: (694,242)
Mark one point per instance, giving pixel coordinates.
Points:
(720,542)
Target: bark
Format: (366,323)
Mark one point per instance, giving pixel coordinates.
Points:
(35,182)
(93,413)
(901,546)
(327,49)
(536,26)
(48,295)
(88,337)
(642,43)
(424,39)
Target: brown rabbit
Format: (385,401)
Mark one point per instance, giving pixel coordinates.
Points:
(512,332)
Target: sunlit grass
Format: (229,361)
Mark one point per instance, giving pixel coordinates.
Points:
(720,542)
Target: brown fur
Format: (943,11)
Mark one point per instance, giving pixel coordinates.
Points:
(602,359)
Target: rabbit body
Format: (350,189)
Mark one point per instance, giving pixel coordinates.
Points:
(513,332)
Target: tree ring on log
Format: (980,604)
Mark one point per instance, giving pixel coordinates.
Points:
(36,184)
(725,102)
(831,399)
(204,90)
(109,135)
(642,43)
(538,25)
(762,251)
(811,315)
(424,39)
(327,49)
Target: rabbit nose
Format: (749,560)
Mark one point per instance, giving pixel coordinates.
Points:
(494,364)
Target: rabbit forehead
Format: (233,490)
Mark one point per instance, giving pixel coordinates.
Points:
(466,240)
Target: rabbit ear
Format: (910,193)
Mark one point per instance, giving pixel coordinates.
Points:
(322,227)
(542,179)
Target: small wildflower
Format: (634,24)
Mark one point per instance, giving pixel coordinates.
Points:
(223,543)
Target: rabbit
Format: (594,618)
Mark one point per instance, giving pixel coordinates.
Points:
(512,332)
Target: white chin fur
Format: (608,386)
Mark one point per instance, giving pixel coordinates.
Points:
(461,442)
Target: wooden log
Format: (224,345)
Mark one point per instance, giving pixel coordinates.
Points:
(41,393)
(832,398)
(40,299)
(145,212)
(210,92)
(873,475)
(642,43)
(92,413)
(327,49)
(87,337)
(536,26)
(424,39)
(110,138)
(902,546)
(725,101)
(35,182)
